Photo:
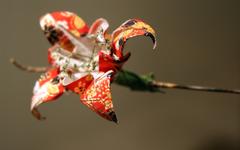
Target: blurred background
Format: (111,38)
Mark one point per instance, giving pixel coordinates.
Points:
(198,43)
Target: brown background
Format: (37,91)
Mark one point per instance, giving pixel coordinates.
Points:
(198,43)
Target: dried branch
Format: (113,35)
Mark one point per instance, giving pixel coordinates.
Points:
(193,87)
(138,83)
(27,68)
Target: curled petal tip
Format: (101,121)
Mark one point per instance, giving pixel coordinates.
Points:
(37,114)
(113,117)
(153,37)
(154,45)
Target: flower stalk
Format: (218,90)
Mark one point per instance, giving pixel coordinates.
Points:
(138,82)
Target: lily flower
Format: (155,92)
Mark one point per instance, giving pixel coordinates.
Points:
(84,60)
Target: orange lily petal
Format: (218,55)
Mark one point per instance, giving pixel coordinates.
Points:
(98,98)
(71,22)
(46,89)
(129,29)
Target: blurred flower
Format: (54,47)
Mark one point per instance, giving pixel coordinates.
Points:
(84,60)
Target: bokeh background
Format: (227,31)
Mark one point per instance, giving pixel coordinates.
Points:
(198,43)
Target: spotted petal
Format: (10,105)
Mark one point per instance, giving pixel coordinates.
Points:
(98,98)
(51,22)
(46,89)
(130,28)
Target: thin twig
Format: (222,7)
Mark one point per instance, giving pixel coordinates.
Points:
(28,68)
(169,85)
(154,83)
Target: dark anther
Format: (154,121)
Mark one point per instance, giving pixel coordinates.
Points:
(55,80)
(52,34)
